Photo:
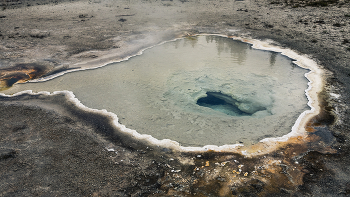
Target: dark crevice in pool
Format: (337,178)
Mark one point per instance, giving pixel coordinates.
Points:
(218,101)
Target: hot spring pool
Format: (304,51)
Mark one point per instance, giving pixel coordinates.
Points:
(203,90)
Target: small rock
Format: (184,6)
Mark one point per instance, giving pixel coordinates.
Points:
(320,22)
(268,26)
(7,154)
(39,34)
(243,10)
(83,15)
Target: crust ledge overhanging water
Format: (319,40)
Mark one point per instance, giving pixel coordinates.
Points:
(266,145)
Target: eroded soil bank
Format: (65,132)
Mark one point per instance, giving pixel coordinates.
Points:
(50,147)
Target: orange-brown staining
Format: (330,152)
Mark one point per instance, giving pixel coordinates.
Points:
(21,73)
(310,127)
(224,191)
(325,116)
(231,174)
(322,119)
(262,148)
(313,138)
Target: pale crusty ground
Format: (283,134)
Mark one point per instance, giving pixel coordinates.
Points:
(90,33)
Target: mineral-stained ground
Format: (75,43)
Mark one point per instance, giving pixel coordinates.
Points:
(48,146)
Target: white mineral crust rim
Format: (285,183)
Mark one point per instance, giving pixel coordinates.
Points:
(315,85)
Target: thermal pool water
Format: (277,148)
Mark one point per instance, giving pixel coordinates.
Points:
(203,90)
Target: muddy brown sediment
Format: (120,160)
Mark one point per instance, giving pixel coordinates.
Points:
(58,32)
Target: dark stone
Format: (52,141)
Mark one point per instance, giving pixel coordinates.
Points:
(83,15)
(40,35)
(7,154)
(268,25)
(320,22)
(234,191)
(257,185)
(345,41)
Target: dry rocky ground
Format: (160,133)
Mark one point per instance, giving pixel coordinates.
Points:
(50,147)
